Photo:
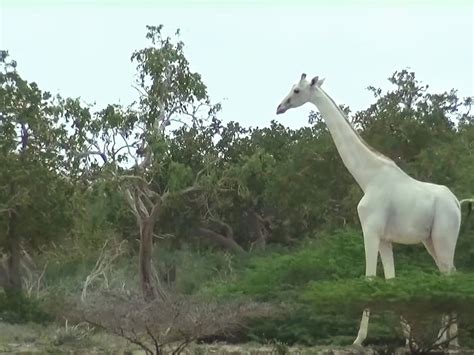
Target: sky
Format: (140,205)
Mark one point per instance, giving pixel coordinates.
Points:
(249,55)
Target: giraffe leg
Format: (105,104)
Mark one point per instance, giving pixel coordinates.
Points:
(443,244)
(431,250)
(371,245)
(386,255)
(406,329)
(363,328)
(453,331)
(448,333)
(443,332)
(373,225)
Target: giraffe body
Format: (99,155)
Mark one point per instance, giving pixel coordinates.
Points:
(395,208)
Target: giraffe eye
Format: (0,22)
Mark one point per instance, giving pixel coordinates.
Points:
(296,91)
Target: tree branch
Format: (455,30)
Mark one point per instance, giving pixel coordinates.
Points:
(155,211)
(219,239)
(92,152)
(120,332)
(228,229)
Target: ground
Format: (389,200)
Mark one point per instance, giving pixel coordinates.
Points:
(35,338)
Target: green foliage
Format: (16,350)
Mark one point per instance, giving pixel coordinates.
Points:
(322,292)
(410,291)
(193,268)
(301,325)
(180,176)
(33,160)
(166,60)
(18,308)
(269,275)
(67,274)
(100,212)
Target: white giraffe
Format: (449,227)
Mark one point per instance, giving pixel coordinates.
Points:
(395,208)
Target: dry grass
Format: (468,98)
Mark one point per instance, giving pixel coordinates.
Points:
(31,338)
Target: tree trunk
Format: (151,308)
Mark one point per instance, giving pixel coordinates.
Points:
(262,231)
(13,273)
(146,248)
(3,275)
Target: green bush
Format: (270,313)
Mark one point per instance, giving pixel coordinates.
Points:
(323,289)
(408,292)
(302,325)
(273,273)
(193,268)
(19,308)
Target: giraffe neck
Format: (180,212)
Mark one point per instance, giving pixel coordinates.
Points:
(362,161)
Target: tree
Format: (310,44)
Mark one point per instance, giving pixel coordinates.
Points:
(39,168)
(135,145)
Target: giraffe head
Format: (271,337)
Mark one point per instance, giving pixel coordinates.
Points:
(300,93)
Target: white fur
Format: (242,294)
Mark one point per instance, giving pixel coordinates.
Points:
(395,208)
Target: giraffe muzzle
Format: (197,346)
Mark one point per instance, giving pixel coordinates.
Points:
(281,109)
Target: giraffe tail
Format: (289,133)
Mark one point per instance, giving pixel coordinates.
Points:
(469,202)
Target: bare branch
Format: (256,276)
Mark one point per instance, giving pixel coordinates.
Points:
(147,199)
(103,265)
(155,341)
(131,203)
(120,332)
(147,160)
(126,146)
(184,123)
(140,91)
(136,177)
(190,189)
(228,229)
(92,152)
(155,211)
(220,240)
(6,210)
(141,206)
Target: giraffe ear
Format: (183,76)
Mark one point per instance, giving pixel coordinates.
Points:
(303,76)
(316,82)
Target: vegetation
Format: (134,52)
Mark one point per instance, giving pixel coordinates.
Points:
(159,208)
